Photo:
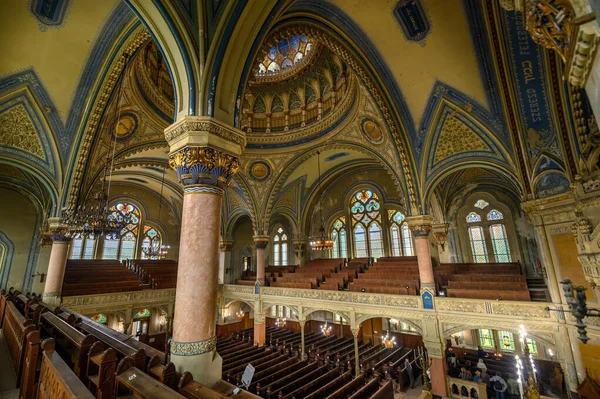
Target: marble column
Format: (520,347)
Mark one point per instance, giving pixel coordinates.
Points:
(204,153)
(420,226)
(58,260)
(261,242)
(355,332)
(302,347)
(437,367)
(260,330)
(225,272)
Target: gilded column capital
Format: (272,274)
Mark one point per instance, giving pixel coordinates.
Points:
(261,241)
(420,226)
(226,245)
(440,232)
(57,231)
(204,153)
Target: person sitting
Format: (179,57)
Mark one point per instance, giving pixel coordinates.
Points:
(499,385)
(451,356)
(481,365)
(485,377)
(477,377)
(481,353)
(465,375)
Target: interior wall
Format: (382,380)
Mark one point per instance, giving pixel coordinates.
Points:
(18,221)
(566,250)
(242,239)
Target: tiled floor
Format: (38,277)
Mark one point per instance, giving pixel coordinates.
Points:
(411,393)
(8,379)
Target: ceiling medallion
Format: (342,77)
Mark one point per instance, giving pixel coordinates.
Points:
(125,127)
(371,130)
(260,170)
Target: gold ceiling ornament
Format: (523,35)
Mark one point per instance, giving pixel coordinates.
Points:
(511,5)
(550,24)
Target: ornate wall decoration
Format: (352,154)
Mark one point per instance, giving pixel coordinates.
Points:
(552,183)
(49,13)
(204,165)
(413,20)
(550,23)
(193,348)
(457,137)
(124,128)
(372,131)
(259,170)
(17,130)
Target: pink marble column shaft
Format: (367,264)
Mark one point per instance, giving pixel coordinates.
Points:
(424,260)
(438,376)
(56,267)
(260,333)
(198,268)
(260,264)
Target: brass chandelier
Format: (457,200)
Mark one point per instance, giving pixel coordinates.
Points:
(321,241)
(155,250)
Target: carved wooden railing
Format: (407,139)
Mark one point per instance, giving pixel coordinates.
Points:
(461,389)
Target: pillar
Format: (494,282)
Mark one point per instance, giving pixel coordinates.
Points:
(437,368)
(565,353)
(547,262)
(260,330)
(420,226)
(204,153)
(261,242)
(355,332)
(225,272)
(58,260)
(302,348)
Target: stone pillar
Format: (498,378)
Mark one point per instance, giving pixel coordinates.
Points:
(261,242)
(225,272)
(420,226)
(567,363)
(355,332)
(440,232)
(302,348)
(58,260)
(260,330)
(547,262)
(438,368)
(204,153)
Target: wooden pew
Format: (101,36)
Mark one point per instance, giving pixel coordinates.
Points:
(132,381)
(331,386)
(73,342)
(366,391)
(349,388)
(30,364)
(385,392)
(101,370)
(56,378)
(15,330)
(303,390)
(194,390)
(271,389)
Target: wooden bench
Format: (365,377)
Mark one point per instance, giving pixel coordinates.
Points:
(56,378)
(30,365)
(130,380)
(366,391)
(101,370)
(15,330)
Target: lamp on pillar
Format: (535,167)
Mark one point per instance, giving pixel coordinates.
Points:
(204,153)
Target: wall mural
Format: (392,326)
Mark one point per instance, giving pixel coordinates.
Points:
(260,170)
(551,183)
(372,131)
(533,98)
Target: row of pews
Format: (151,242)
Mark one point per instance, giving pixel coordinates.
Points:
(154,274)
(59,353)
(482,281)
(87,277)
(327,370)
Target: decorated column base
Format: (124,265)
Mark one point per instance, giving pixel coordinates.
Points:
(199,358)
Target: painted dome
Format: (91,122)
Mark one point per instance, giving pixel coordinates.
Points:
(287,53)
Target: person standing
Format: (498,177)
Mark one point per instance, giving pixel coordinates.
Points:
(499,385)
(409,371)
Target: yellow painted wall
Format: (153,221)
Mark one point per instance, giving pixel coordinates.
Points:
(567,255)
(590,354)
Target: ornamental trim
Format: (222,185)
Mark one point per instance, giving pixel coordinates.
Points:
(211,127)
(193,348)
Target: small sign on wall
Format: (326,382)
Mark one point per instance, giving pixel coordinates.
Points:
(427,300)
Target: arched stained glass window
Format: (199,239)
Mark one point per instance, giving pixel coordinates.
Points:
(338,236)
(285,54)
(478,244)
(365,211)
(500,243)
(407,241)
(507,340)
(532,346)
(83,247)
(77,247)
(397,224)
(152,240)
(486,338)
(473,217)
(481,204)
(280,247)
(123,245)
(495,214)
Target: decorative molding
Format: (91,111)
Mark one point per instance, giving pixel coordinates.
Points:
(204,166)
(206,125)
(193,348)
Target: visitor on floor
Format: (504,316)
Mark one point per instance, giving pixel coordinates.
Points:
(499,385)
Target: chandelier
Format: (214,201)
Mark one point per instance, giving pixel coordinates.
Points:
(388,341)
(96,219)
(239,314)
(281,322)
(321,241)
(154,250)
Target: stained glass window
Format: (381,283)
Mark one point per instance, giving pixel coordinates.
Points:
(99,318)
(481,204)
(478,244)
(142,313)
(151,240)
(77,247)
(486,338)
(365,210)
(89,247)
(396,245)
(397,225)
(495,214)
(83,247)
(285,54)
(507,340)
(280,248)
(500,243)
(532,346)
(360,242)
(473,217)
(123,245)
(338,235)
(407,241)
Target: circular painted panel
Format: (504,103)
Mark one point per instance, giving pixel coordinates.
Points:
(372,131)
(260,170)
(125,127)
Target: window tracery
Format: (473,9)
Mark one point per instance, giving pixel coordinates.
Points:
(479,239)
(338,236)
(123,245)
(151,240)
(366,221)
(285,54)
(400,236)
(280,248)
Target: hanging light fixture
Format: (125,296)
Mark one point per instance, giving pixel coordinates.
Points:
(157,251)
(96,219)
(321,241)
(326,329)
